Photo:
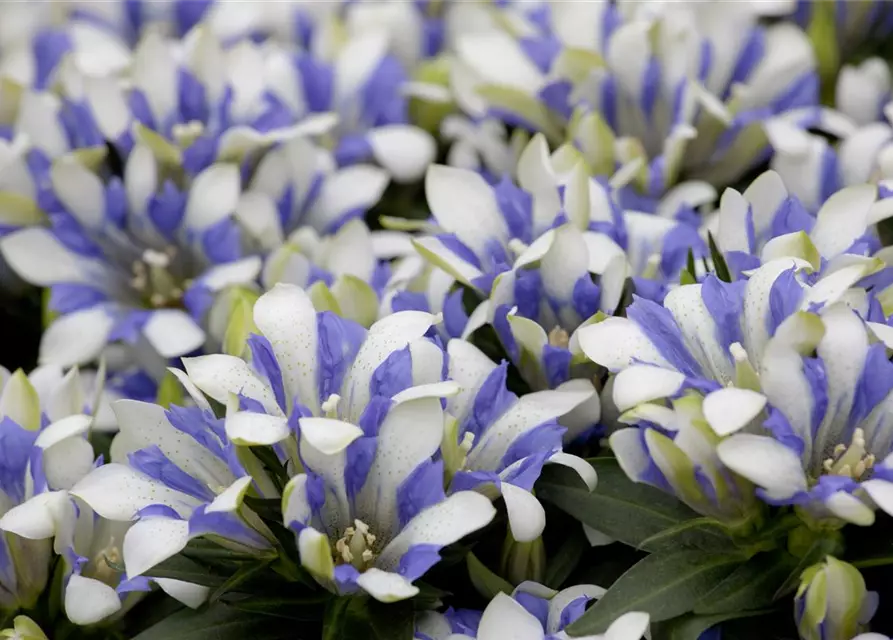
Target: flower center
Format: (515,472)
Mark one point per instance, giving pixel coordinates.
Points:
(153,281)
(104,562)
(850,461)
(560,338)
(355,547)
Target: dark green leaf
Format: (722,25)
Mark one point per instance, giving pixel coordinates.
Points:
(487,583)
(691,626)
(750,586)
(392,621)
(627,511)
(560,566)
(247,571)
(720,268)
(218,622)
(291,608)
(270,460)
(706,534)
(685,277)
(664,585)
(690,263)
(181,568)
(347,618)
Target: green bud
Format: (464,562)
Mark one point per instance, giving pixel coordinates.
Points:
(23,628)
(832,602)
(522,561)
(428,114)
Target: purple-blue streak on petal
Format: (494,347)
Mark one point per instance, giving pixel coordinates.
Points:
(658,325)
(422,488)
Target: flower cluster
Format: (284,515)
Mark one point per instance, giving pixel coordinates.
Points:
(444,320)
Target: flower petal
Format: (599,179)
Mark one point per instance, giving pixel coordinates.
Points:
(213,196)
(151,541)
(220,375)
(765,462)
(87,601)
(730,410)
(404,150)
(504,617)
(246,428)
(76,338)
(173,332)
(79,190)
(527,518)
(385,586)
(644,383)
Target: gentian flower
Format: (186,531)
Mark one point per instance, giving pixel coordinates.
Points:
(826,446)
(673,448)
(366,500)
(676,92)
(832,602)
(175,475)
(711,335)
(768,222)
(532,611)
(498,442)
(122,259)
(24,628)
(47,451)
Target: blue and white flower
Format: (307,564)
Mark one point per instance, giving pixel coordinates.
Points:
(498,442)
(713,334)
(681,91)
(367,500)
(532,612)
(122,259)
(673,448)
(767,222)
(826,447)
(832,602)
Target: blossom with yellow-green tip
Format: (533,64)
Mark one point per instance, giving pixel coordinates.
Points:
(23,628)
(832,602)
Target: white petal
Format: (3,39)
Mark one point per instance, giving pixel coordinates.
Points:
(880,491)
(644,383)
(38,118)
(765,462)
(327,435)
(76,338)
(62,429)
(629,626)
(565,262)
(80,191)
(353,188)
(197,396)
(151,541)
(842,219)
(117,492)
(242,271)
(433,250)
(356,62)
(441,524)
(285,315)
(469,367)
(385,336)
(730,410)
(39,258)
(527,518)
(463,203)
(732,232)
(35,519)
(316,554)
(505,618)
(584,469)
(410,434)
(192,595)
(559,602)
(66,462)
(213,196)
(850,508)
(350,251)
(140,179)
(858,154)
(220,375)
(616,343)
(145,425)
(385,586)
(88,601)
(405,151)
(230,499)
(173,332)
(248,429)
(765,195)
(109,106)
(498,59)
(699,331)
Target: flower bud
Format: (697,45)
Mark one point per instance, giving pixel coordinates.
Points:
(832,602)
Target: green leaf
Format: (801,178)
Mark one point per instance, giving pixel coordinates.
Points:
(627,511)
(720,268)
(346,618)
(217,622)
(291,608)
(487,583)
(706,534)
(664,585)
(685,277)
(180,567)
(247,571)
(690,263)
(560,566)
(750,586)
(691,626)
(394,621)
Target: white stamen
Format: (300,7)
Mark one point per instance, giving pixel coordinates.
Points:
(156,258)
(330,406)
(517,246)
(560,338)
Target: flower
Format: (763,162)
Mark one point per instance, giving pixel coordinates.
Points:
(832,602)
(826,447)
(532,611)
(713,334)
(366,498)
(46,454)
(123,258)
(671,90)
(768,222)
(499,441)
(24,628)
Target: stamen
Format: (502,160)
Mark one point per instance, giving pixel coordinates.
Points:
(330,406)
(850,461)
(517,246)
(355,546)
(156,258)
(558,337)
